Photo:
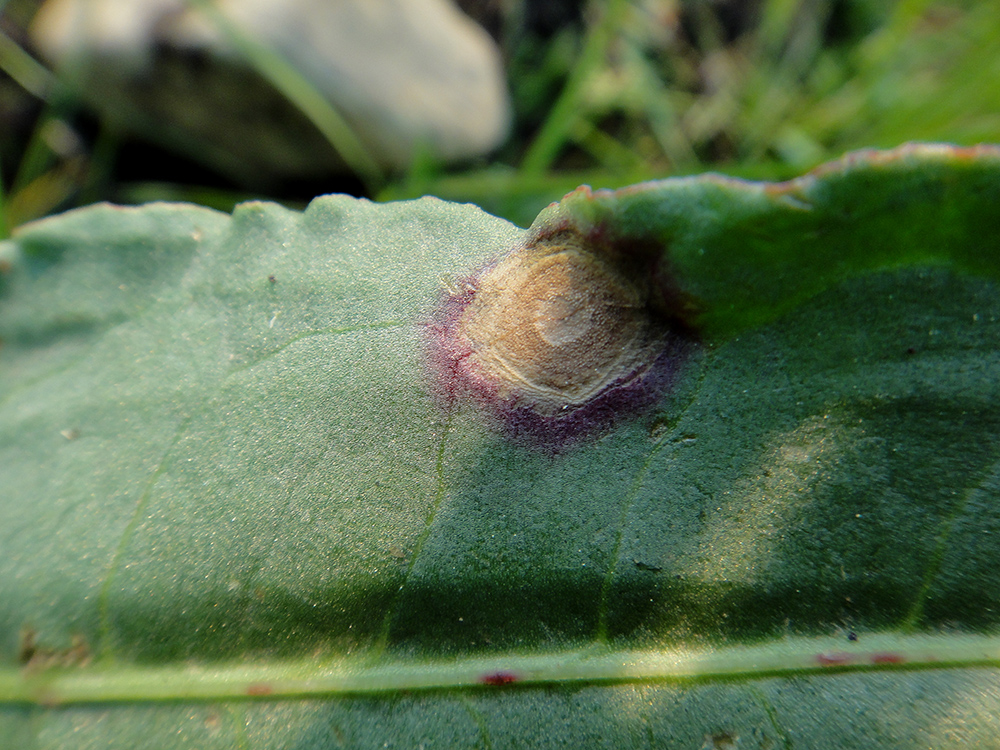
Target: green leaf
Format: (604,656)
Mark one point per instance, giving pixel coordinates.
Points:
(255,493)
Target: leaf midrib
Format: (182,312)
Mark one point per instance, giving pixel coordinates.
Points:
(108,682)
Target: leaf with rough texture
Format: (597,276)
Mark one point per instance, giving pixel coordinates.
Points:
(698,463)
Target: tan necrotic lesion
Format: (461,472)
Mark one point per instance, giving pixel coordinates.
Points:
(556,324)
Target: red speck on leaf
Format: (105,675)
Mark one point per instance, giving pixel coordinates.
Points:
(886,657)
(259,688)
(834,660)
(498,678)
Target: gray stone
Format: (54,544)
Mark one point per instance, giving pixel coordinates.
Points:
(407,75)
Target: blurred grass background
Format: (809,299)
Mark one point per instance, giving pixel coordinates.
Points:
(605,93)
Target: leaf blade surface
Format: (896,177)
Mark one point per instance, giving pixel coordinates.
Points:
(230,475)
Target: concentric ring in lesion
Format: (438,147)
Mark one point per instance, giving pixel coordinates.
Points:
(557,323)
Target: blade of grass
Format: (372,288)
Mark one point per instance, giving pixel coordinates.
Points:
(39,155)
(555,132)
(4,226)
(299,91)
(660,111)
(783,48)
(47,192)
(777,18)
(100,165)
(29,74)
(609,153)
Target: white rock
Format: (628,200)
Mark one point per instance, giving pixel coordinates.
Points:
(406,74)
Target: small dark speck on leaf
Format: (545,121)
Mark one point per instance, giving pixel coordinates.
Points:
(34,656)
(911,350)
(852,636)
(26,648)
(646,566)
(659,428)
(720,741)
(272,279)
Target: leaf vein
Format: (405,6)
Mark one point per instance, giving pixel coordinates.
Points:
(103,601)
(601,634)
(332,331)
(772,716)
(913,617)
(383,638)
